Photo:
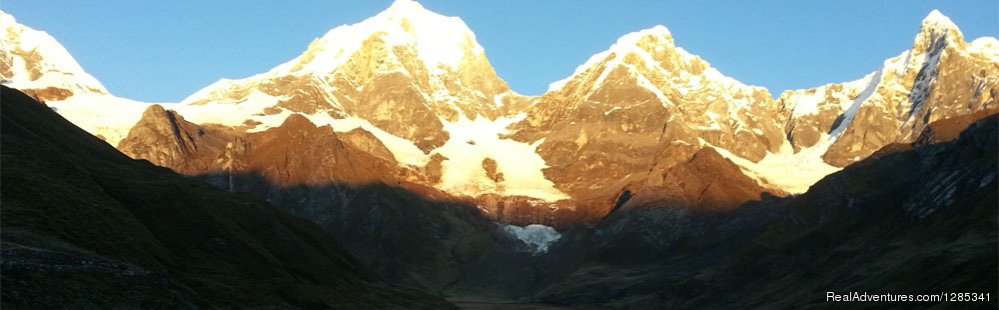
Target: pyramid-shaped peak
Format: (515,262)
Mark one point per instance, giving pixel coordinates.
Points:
(935,26)
(440,41)
(412,10)
(937,20)
(657,32)
(405,6)
(657,37)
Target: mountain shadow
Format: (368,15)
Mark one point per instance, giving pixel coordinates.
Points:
(84,226)
(412,235)
(918,218)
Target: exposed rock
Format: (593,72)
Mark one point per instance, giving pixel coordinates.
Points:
(489,165)
(365,141)
(49,94)
(940,77)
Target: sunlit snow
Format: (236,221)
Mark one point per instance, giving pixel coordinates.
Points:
(439,40)
(101,114)
(462,173)
(519,162)
(786,170)
(56,65)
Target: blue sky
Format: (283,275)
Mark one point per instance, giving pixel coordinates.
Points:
(162,51)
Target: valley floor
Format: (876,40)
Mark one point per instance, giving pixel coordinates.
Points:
(503,305)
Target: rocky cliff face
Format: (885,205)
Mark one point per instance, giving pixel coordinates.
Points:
(940,77)
(295,153)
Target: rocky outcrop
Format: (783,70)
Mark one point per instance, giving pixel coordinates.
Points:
(707,181)
(295,153)
(166,139)
(365,141)
(49,94)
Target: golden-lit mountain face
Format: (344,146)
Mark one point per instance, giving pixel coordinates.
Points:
(412,94)
(940,77)
(405,70)
(645,104)
(33,61)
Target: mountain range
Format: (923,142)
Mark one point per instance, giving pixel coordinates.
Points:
(396,136)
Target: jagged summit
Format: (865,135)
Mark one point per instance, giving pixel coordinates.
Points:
(941,76)
(421,86)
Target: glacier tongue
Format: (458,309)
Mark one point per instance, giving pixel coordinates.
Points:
(537,237)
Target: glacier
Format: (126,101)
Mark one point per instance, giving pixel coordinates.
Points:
(537,237)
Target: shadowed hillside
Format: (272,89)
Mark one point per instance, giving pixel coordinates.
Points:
(86,227)
(915,219)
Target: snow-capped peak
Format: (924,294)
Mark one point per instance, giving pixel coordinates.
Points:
(937,20)
(36,60)
(441,42)
(934,27)
(658,35)
(404,7)
(657,30)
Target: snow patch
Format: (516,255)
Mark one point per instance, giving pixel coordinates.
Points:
(786,170)
(519,162)
(101,115)
(873,81)
(985,46)
(537,237)
(233,113)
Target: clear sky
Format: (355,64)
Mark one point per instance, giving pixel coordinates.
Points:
(162,51)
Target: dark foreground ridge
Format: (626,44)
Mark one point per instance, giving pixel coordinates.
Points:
(919,218)
(84,227)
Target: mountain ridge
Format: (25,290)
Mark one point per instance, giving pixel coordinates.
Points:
(645,98)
